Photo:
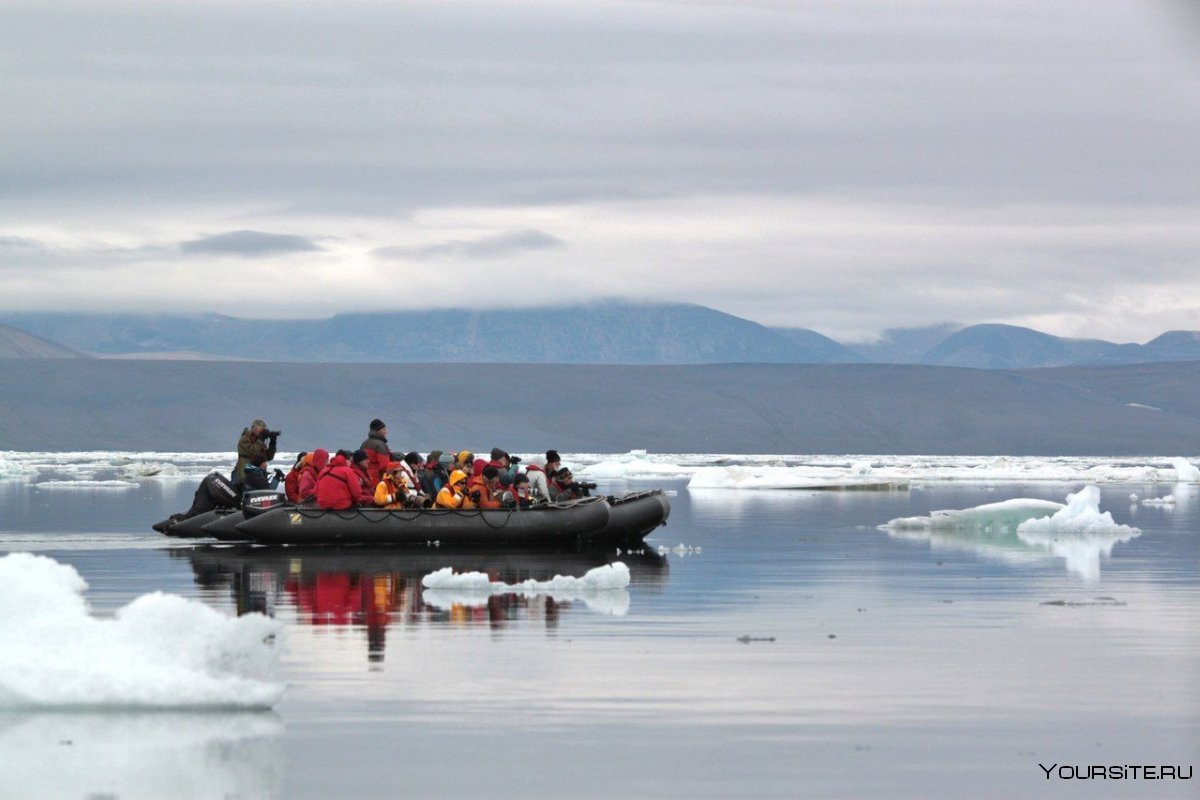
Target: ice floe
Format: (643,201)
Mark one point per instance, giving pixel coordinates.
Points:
(1024,529)
(1185,471)
(705,470)
(159,651)
(601,589)
(1165,500)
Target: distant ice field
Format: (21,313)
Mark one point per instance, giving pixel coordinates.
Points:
(115,471)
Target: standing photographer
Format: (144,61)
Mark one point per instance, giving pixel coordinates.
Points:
(255,440)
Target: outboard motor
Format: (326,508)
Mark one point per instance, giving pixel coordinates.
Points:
(222,493)
(256,501)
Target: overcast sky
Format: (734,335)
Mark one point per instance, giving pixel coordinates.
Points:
(843,166)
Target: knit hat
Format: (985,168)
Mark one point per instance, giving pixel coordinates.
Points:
(498,454)
(377,424)
(434,457)
(506,479)
(413,458)
(258,423)
(359,455)
(393,466)
(552,455)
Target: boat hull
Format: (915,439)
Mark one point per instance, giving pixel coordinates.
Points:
(579,521)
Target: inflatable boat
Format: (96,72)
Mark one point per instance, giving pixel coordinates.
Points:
(590,520)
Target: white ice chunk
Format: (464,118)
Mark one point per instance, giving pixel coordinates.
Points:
(160,651)
(1081,515)
(1166,500)
(1186,472)
(150,469)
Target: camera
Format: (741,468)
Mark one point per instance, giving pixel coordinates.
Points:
(585,485)
(272,434)
(514,459)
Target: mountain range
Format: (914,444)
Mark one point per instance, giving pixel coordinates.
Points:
(601,333)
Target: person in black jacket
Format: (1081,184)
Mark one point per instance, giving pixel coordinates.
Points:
(256,474)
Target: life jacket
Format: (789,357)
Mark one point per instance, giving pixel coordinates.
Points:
(338,486)
(389,494)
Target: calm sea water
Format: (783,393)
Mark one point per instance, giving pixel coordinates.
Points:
(877,665)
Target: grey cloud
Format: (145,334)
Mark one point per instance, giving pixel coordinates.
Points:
(500,245)
(249,244)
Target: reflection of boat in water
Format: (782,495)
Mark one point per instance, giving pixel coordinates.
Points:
(380,587)
(590,520)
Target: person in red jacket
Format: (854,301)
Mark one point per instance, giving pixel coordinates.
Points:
(340,487)
(291,484)
(314,465)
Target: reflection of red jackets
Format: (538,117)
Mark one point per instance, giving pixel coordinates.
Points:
(339,486)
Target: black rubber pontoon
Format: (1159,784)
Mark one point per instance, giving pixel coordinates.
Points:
(636,514)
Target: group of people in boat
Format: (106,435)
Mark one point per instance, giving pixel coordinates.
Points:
(372,476)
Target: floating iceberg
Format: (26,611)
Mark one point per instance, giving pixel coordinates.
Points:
(1081,515)
(1025,529)
(159,651)
(602,588)
(1185,471)
(1166,500)
(1007,514)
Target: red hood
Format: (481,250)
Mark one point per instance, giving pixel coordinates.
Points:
(320,458)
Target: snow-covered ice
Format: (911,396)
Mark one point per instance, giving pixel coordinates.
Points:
(159,651)
(602,588)
(1165,500)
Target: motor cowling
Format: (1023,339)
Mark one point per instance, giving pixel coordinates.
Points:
(260,500)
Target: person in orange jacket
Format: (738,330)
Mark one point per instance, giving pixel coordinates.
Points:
(481,489)
(391,491)
(453,494)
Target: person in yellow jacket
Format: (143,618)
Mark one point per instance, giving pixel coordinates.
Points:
(453,493)
(391,492)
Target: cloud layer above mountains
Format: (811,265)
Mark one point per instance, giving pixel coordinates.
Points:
(847,167)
